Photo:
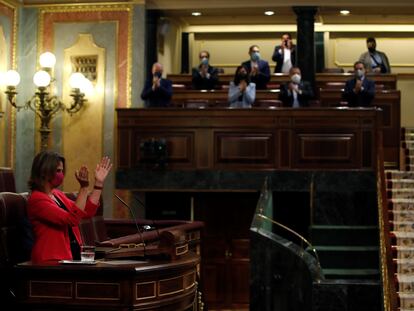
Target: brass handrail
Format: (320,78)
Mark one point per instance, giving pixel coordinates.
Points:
(389,289)
(309,245)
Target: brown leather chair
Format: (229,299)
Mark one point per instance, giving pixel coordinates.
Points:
(7,182)
(15,242)
(15,230)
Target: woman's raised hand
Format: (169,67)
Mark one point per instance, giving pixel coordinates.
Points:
(82,176)
(102,170)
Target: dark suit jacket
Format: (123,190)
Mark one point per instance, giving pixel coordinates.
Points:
(286,96)
(363,98)
(278,57)
(263,77)
(200,83)
(161,97)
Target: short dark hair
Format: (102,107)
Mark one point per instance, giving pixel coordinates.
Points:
(371,39)
(237,76)
(44,168)
(359,62)
(253,46)
(287,33)
(294,68)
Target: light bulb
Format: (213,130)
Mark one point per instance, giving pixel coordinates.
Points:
(41,78)
(76,80)
(12,78)
(87,86)
(47,60)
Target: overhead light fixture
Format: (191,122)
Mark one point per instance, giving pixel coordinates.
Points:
(196,13)
(344,12)
(269,13)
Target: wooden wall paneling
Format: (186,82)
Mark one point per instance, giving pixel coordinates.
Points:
(225,247)
(247,148)
(367,153)
(390,103)
(203,148)
(285,149)
(284,145)
(322,142)
(124,148)
(179,146)
(260,139)
(325,150)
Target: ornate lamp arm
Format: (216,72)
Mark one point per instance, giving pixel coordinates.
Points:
(11,97)
(78,101)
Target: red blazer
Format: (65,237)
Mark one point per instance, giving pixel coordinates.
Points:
(50,225)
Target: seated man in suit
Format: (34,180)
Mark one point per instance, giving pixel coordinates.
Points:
(296,93)
(257,69)
(205,77)
(157,91)
(359,91)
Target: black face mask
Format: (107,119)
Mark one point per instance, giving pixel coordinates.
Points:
(371,49)
(242,76)
(157,74)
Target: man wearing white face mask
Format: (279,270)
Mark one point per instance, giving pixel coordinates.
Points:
(359,91)
(257,69)
(296,93)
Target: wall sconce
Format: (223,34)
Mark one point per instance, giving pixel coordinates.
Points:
(42,102)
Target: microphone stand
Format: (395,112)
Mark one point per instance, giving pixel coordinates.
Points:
(135,219)
(152,220)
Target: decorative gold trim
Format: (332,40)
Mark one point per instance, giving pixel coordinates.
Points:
(180,250)
(60,8)
(13,117)
(49,282)
(146,297)
(383,251)
(11,4)
(174,292)
(129,59)
(116,72)
(97,298)
(193,279)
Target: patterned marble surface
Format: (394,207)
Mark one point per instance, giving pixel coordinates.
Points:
(401,205)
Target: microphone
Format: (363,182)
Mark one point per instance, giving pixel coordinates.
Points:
(147,227)
(135,219)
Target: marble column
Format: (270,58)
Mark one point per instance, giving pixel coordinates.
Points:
(305,52)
